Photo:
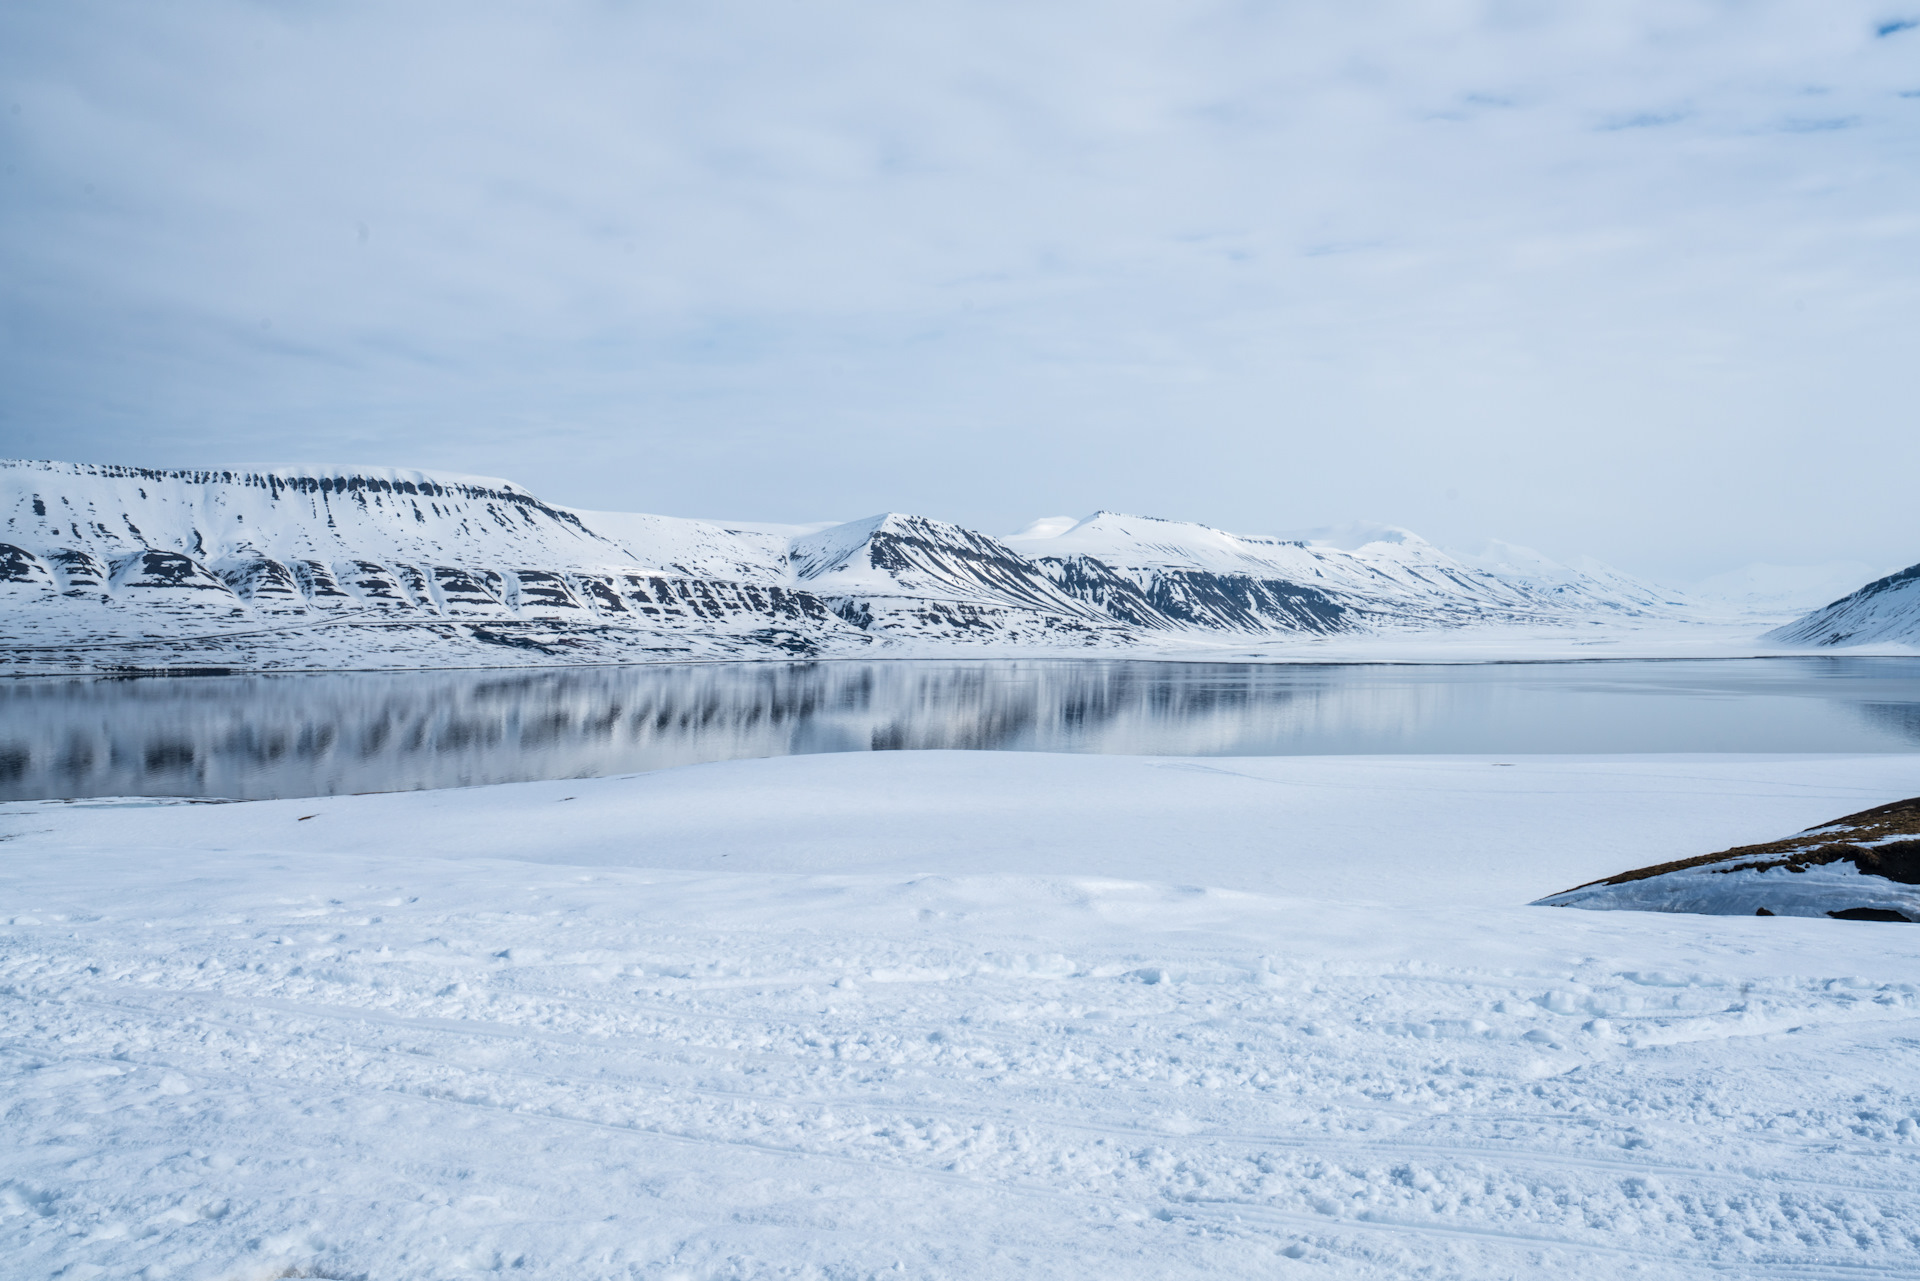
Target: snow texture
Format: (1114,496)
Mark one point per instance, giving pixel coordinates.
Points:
(109,569)
(967,1015)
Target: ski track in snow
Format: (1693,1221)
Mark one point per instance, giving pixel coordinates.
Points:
(236,1046)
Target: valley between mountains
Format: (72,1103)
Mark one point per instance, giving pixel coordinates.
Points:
(109,568)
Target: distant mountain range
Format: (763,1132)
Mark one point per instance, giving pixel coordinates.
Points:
(109,568)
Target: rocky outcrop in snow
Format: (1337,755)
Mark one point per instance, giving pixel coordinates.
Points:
(1887,609)
(910,578)
(1864,867)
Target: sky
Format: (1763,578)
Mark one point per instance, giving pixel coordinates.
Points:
(1636,279)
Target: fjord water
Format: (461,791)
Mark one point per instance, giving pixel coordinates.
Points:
(255,737)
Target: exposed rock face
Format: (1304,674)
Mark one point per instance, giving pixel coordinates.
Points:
(18,565)
(1864,867)
(692,601)
(1196,577)
(1169,598)
(910,578)
(320,587)
(895,553)
(1100,585)
(267,585)
(79,572)
(1242,602)
(1887,609)
(172,585)
(460,593)
(376,586)
(166,571)
(542,592)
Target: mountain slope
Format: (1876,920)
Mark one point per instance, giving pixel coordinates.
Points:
(1887,609)
(694,548)
(393,567)
(1361,577)
(1588,586)
(907,577)
(114,568)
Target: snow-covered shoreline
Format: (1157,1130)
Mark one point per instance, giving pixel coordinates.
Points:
(158,656)
(953,1014)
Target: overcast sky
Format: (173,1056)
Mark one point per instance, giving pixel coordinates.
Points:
(1631,278)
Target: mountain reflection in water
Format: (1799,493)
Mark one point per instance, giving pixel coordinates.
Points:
(327,733)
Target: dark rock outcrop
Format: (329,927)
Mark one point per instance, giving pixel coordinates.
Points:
(1880,847)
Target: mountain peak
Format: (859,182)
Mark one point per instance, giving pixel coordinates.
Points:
(1355,534)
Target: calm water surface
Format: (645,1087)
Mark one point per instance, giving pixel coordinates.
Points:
(310,735)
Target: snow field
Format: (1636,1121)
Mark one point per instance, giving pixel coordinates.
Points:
(952,1014)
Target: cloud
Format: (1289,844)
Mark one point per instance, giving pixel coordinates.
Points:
(977,258)
(1645,120)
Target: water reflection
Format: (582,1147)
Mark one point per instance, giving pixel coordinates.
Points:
(1902,719)
(303,735)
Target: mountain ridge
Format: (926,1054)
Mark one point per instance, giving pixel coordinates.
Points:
(1887,609)
(105,567)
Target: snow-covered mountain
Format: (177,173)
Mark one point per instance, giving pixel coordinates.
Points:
(1358,578)
(1782,591)
(372,566)
(910,578)
(1887,609)
(106,567)
(1586,585)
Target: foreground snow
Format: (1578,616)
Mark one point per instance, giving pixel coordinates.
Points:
(951,1014)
